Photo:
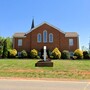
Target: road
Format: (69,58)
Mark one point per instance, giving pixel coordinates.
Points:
(9,84)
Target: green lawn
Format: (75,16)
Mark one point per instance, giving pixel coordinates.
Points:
(63,69)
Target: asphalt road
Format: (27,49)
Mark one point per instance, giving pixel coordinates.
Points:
(6,84)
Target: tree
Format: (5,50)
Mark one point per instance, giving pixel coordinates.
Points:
(1,45)
(5,51)
(9,43)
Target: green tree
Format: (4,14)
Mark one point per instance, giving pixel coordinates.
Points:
(9,43)
(5,45)
(5,51)
(1,45)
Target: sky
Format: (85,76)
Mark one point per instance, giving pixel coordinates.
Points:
(68,15)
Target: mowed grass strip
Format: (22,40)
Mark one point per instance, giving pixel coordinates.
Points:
(63,69)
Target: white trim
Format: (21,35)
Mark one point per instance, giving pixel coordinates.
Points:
(44,36)
(49,37)
(38,38)
(47,24)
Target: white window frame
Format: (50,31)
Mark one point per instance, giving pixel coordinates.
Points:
(71,42)
(39,38)
(50,37)
(45,37)
(19,42)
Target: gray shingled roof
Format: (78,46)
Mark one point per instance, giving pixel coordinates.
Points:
(71,34)
(67,34)
(19,35)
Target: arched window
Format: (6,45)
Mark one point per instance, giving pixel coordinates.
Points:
(44,36)
(39,38)
(50,37)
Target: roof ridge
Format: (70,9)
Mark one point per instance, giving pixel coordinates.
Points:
(47,24)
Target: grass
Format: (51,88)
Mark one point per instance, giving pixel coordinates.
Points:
(63,69)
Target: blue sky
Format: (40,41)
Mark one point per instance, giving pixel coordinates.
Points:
(68,15)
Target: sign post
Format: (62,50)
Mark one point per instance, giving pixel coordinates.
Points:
(45,62)
(44,53)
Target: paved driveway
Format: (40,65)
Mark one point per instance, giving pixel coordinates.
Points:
(7,84)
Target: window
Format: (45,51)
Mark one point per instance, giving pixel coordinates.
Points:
(50,37)
(19,42)
(70,42)
(39,37)
(45,36)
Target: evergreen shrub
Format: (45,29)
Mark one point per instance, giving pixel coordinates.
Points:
(65,55)
(86,55)
(12,53)
(78,53)
(34,53)
(23,54)
(56,53)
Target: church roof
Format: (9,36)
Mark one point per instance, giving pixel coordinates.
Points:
(47,24)
(19,35)
(71,34)
(67,34)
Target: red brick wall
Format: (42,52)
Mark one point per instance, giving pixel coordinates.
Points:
(50,46)
(59,40)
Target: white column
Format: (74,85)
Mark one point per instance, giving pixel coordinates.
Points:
(44,53)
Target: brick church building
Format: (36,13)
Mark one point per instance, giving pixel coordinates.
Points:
(47,35)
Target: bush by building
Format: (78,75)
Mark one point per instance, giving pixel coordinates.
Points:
(23,54)
(78,53)
(86,55)
(65,55)
(51,57)
(12,53)
(38,57)
(56,53)
(34,53)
